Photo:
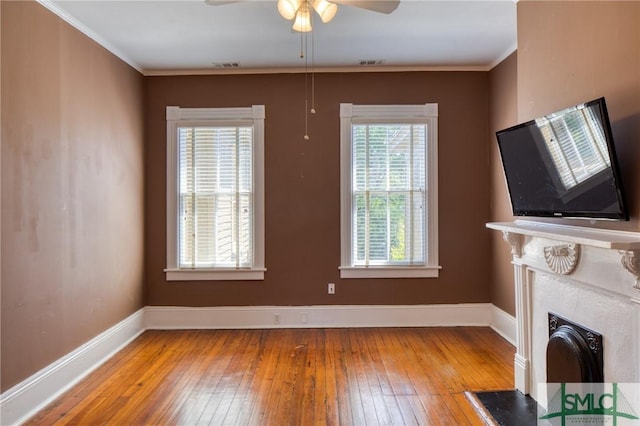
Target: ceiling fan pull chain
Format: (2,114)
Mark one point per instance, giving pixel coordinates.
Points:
(313,75)
(306,90)
(306,121)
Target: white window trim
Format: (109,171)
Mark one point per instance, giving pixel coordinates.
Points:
(177,116)
(417,114)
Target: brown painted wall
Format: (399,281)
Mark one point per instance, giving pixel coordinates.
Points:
(73,157)
(303,193)
(72,190)
(503,113)
(570,52)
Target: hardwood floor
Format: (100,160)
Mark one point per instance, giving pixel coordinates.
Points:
(358,376)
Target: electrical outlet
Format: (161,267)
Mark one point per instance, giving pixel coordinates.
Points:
(331,288)
(304,318)
(276,318)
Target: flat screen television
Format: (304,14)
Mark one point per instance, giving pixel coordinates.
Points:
(564,165)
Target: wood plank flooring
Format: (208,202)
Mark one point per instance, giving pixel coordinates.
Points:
(356,376)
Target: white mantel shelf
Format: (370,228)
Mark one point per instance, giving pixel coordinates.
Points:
(603,238)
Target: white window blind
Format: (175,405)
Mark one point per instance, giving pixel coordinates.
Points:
(215,193)
(389,191)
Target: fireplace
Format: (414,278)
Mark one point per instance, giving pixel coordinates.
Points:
(590,277)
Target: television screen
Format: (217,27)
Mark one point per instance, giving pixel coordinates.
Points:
(564,165)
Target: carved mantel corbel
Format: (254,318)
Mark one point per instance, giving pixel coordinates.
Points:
(631,262)
(515,241)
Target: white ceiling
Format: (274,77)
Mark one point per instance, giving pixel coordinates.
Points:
(158,37)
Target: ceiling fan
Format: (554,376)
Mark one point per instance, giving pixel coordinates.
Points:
(300,11)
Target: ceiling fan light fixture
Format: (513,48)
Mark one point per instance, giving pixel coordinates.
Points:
(325,9)
(288,8)
(302,22)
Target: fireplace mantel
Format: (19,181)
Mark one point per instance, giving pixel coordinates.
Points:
(626,243)
(603,238)
(586,274)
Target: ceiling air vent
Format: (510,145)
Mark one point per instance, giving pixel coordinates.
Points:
(226,65)
(369,62)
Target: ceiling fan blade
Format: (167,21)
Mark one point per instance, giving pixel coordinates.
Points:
(220,2)
(382,6)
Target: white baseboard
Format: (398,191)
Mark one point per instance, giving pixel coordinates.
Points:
(318,316)
(24,399)
(504,324)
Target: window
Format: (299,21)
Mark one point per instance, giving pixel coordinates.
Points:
(215,193)
(389,191)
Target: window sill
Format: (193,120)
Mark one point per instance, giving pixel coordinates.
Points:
(389,272)
(214,274)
